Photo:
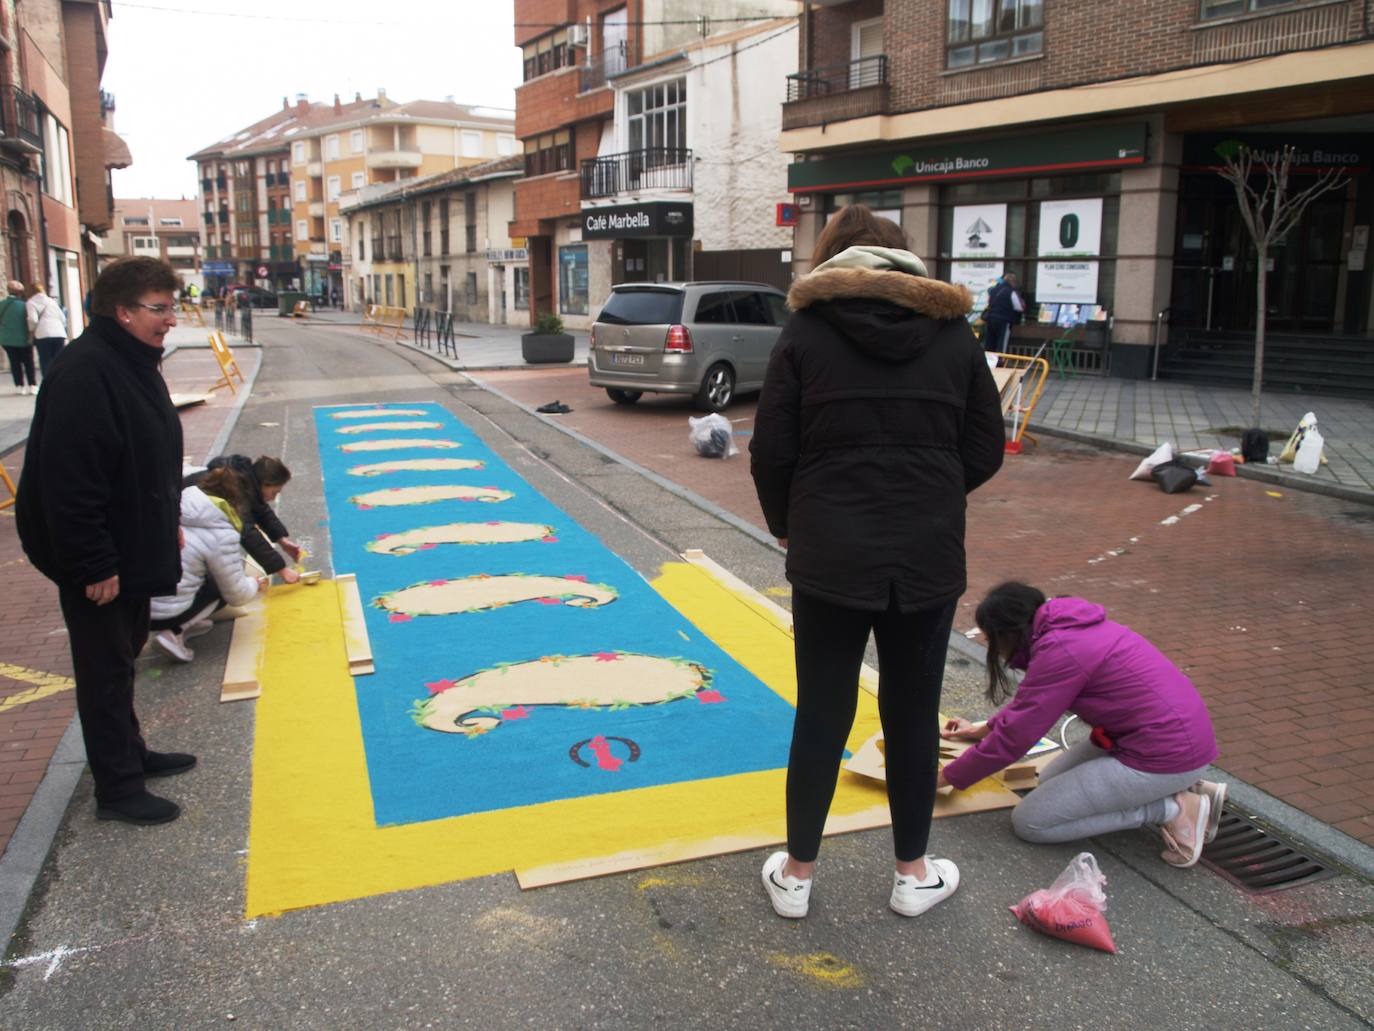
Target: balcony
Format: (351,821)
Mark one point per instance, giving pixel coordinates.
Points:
(314,169)
(224,216)
(606,65)
(404,158)
(206,185)
(317,209)
(222,183)
(247,253)
(19,128)
(637,171)
(181,252)
(270,178)
(836,93)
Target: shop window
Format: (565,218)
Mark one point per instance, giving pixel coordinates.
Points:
(1231,8)
(986,31)
(522,289)
(572,280)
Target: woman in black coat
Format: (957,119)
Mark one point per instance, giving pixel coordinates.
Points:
(878,415)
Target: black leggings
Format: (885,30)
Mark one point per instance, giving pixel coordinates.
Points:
(208,595)
(830,642)
(21,362)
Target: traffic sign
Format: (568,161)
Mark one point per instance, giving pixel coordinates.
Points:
(263,271)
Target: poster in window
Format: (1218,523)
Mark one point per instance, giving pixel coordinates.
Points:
(1072,282)
(978,276)
(980,231)
(572,280)
(1070,228)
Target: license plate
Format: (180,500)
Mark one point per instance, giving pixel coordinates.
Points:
(618,358)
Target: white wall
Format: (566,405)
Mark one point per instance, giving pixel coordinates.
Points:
(658,38)
(734,112)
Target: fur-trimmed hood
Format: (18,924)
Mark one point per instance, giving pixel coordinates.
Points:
(878,301)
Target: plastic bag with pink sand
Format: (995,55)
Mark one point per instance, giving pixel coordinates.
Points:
(1072,908)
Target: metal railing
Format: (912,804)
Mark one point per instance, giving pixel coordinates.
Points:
(434,331)
(610,62)
(837,78)
(659,168)
(230,318)
(19,118)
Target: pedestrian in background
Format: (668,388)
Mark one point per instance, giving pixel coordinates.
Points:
(878,415)
(98,507)
(14,337)
(48,324)
(1003,311)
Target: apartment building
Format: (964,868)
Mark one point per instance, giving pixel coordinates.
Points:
(270,192)
(611,117)
(439,242)
(1077,146)
(386,143)
(169,230)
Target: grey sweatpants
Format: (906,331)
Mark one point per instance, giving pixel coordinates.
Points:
(1086,792)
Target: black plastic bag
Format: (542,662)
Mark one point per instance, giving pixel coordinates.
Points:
(1174,477)
(1254,446)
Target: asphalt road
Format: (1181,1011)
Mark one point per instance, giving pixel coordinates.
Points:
(143,928)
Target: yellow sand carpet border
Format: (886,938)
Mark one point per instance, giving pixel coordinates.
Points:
(313,839)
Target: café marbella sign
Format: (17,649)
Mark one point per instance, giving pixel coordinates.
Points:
(1067,150)
(654,218)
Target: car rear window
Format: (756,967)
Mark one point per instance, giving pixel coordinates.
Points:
(642,308)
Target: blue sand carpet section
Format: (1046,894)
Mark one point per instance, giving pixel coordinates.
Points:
(537,752)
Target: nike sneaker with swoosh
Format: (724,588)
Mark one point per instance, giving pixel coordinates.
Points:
(791,896)
(912,896)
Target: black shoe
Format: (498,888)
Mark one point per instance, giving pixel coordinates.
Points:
(167,764)
(142,808)
(554,408)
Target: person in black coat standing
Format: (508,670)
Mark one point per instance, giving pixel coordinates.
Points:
(98,512)
(1003,311)
(878,416)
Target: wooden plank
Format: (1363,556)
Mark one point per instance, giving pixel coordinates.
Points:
(355,628)
(868,676)
(245,652)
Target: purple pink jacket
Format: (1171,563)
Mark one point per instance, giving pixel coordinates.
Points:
(1080,661)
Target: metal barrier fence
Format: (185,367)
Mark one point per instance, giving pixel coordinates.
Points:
(434,331)
(234,320)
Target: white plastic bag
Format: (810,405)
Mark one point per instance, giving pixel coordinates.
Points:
(1072,908)
(712,436)
(1163,453)
(1309,455)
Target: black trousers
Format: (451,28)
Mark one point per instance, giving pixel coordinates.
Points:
(829,642)
(47,351)
(21,363)
(105,640)
(206,595)
(995,334)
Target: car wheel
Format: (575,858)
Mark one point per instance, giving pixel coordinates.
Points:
(717,389)
(624,397)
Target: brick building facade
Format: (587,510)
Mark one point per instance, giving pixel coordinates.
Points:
(1113,117)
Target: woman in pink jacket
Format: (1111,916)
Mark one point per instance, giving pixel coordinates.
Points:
(1152,738)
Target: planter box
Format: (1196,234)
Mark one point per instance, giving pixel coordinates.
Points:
(544,348)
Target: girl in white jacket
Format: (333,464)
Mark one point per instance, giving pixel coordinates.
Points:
(212,574)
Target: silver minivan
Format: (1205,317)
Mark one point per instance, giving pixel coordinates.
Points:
(708,340)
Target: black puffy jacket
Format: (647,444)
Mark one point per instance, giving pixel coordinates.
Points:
(261,518)
(101,490)
(878,415)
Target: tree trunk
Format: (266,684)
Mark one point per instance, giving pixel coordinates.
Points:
(1261,306)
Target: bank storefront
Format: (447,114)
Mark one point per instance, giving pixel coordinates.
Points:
(1045,207)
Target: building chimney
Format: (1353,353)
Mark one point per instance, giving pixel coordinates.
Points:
(357,97)
(338,108)
(285,104)
(448,98)
(302,102)
(381,93)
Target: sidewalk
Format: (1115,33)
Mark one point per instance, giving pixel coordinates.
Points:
(36,702)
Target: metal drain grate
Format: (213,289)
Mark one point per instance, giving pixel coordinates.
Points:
(1258,861)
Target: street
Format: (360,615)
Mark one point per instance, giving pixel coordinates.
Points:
(1257,596)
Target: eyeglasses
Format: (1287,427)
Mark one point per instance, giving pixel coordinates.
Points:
(160,310)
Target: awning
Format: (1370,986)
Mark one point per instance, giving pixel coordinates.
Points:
(116,150)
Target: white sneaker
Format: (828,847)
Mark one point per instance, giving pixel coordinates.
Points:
(174,645)
(201,626)
(912,897)
(791,896)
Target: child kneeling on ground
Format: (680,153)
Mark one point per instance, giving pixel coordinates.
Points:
(1152,738)
(212,574)
(263,531)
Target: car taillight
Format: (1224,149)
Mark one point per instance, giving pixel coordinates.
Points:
(592,341)
(678,340)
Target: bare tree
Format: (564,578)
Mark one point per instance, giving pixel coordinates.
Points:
(1270,211)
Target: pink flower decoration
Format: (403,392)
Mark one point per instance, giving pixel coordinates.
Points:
(366,508)
(440,685)
(437,583)
(549,601)
(518,713)
(426,547)
(549,539)
(400,617)
(382,536)
(580,579)
(607,656)
(710,697)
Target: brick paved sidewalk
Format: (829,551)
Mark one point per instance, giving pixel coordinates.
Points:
(36,701)
(1257,591)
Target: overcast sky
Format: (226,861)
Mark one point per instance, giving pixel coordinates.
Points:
(186,73)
